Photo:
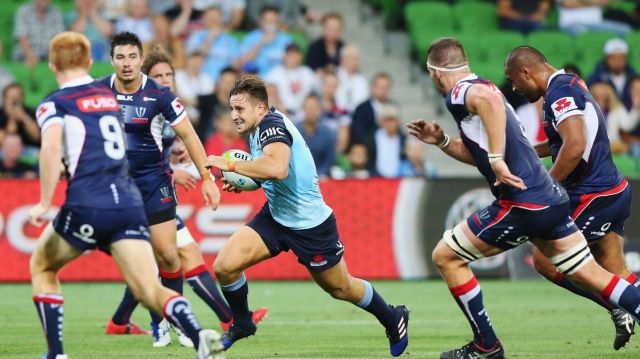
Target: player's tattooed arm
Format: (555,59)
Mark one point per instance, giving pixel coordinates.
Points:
(574,142)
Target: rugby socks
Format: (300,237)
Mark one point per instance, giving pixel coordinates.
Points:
(205,287)
(50,311)
(622,294)
(177,310)
(127,305)
(236,294)
(469,298)
(373,303)
(562,281)
(173,281)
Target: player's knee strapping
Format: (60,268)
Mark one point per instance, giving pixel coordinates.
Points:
(184,237)
(461,245)
(573,259)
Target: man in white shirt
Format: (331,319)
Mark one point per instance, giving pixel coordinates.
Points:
(294,81)
(579,16)
(354,87)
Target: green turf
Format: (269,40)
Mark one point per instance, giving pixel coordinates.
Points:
(533,318)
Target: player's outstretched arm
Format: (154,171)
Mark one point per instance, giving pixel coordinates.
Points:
(543,149)
(574,142)
(431,133)
(487,102)
(188,135)
(273,165)
(50,157)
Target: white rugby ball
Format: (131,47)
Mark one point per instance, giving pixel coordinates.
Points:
(237,180)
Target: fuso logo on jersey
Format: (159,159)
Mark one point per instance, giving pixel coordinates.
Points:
(97,103)
(563,105)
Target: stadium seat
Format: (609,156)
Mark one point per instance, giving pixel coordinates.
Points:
(633,39)
(556,46)
(427,21)
(498,46)
(589,48)
(301,40)
(100,69)
(475,50)
(625,6)
(476,17)
(627,165)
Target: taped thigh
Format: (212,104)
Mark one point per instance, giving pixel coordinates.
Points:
(461,245)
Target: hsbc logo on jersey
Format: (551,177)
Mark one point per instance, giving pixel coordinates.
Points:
(97,103)
(563,105)
(273,132)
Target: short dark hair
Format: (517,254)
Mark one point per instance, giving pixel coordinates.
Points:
(446,52)
(157,56)
(126,38)
(5,91)
(230,70)
(253,86)
(269,8)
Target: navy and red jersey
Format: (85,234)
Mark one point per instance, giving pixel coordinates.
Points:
(520,157)
(145,114)
(567,96)
(94,148)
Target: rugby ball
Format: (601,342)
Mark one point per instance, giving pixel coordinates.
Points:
(237,180)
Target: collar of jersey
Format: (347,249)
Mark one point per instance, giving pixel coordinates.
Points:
(553,75)
(86,79)
(470,76)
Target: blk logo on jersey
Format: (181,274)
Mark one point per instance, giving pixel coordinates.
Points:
(97,103)
(563,105)
(125,97)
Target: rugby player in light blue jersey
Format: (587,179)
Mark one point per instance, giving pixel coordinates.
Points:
(295,217)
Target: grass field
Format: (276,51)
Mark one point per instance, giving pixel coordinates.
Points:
(533,319)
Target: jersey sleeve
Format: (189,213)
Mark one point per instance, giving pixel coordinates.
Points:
(564,102)
(48,114)
(171,108)
(273,129)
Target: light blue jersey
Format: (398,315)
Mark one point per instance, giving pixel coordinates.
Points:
(296,201)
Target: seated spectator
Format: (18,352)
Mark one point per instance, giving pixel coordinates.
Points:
(87,19)
(6,79)
(524,16)
(326,50)
(137,21)
(295,82)
(616,115)
(290,11)
(191,83)
(275,100)
(366,118)
(211,106)
(318,136)
(225,138)
(530,115)
(220,49)
(415,164)
(387,150)
(615,70)
(15,118)
(35,23)
(631,129)
(353,88)
(336,118)
(572,69)
(11,166)
(358,161)
(164,37)
(114,9)
(263,48)
(233,11)
(580,16)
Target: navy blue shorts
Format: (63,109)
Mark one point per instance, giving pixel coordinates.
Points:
(508,224)
(91,228)
(599,213)
(159,197)
(318,248)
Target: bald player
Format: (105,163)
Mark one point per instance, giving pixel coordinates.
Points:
(529,205)
(578,144)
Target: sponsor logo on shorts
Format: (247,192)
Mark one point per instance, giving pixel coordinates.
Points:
(341,248)
(318,261)
(84,234)
(166,195)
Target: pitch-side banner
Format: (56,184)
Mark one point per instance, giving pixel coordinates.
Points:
(379,222)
